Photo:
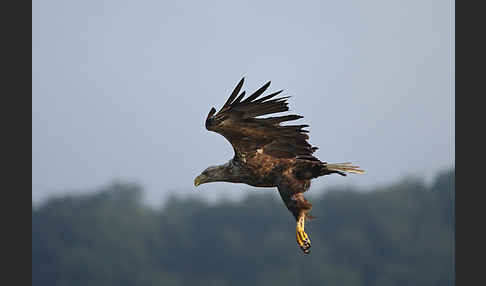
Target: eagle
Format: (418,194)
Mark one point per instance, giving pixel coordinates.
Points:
(267,153)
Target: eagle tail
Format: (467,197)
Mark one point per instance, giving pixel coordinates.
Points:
(343,168)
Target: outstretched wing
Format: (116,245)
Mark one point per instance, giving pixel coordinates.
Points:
(237,121)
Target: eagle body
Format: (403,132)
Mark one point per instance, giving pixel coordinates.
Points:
(267,153)
(261,170)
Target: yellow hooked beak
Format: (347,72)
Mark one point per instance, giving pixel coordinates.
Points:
(199,180)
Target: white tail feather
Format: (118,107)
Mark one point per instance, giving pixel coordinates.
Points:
(344,167)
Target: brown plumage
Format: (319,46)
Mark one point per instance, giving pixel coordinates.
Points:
(268,154)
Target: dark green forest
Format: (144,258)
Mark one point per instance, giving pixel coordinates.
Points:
(401,234)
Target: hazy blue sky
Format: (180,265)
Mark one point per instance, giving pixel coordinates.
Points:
(120,89)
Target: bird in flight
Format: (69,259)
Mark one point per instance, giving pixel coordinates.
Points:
(268,154)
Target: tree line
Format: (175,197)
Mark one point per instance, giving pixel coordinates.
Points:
(401,234)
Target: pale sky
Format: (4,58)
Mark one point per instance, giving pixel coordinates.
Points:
(120,89)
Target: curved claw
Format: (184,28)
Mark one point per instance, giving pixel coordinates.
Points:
(303,241)
(302,238)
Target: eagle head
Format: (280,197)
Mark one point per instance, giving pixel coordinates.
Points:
(220,173)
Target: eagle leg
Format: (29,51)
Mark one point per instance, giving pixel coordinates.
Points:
(303,239)
(291,192)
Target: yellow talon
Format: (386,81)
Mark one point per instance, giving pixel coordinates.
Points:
(302,238)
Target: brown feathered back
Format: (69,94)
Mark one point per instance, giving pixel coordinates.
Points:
(237,121)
